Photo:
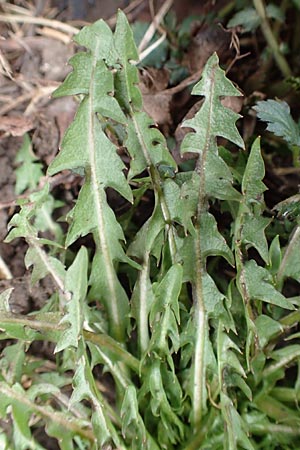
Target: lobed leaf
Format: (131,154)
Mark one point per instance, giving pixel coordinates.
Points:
(133,425)
(76,286)
(280,122)
(213,85)
(259,286)
(218,179)
(87,150)
(164,314)
(171,428)
(126,79)
(181,201)
(253,233)
(146,145)
(236,427)
(29,172)
(252,185)
(84,388)
(141,302)
(290,265)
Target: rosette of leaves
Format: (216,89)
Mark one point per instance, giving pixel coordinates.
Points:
(191,352)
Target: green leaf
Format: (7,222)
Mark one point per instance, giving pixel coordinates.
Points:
(13,359)
(146,145)
(297,3)
(289,208)
(203,363)
(280,122)
(164,315)
(98,38)
(252,186)
(247,18)
(86,147)
(29,172)
(182,201)
(213,85)
(21,414)
(76,286)
(141,303)
(276,410)
(84,388)
(267,328)
(171,427)
(290,263)
(275,255)
(132,423)
(218,179)
(44,221)
(106,288)
(77,81)
(126,79)
(21,223)
(25,329)
(109,361)
(145,238)
(236,428)
(43,264)
(87,150)
(284,356)
(36,256)
(259,286)
(275,12)
(253,232)
(102,86)
(212,242)
(12,328)
(227,358)
(143,296)
(213,298)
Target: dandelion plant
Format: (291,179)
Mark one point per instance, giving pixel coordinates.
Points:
(185,319)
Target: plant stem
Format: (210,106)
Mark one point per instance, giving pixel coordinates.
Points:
(199,306)
(200,328)
(59,418)
(265,429)
(117,330)
(142,323)
(271,40)
(285,394)
(291,320)
(276,410)
(283,362)
(108,343)
(196,441)
(47,329)
(155,177)
(33,242)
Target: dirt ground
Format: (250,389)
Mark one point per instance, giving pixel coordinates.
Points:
(33,56)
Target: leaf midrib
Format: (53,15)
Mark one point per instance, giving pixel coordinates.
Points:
(99,210)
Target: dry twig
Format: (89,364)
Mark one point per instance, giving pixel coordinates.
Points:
(154,26)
